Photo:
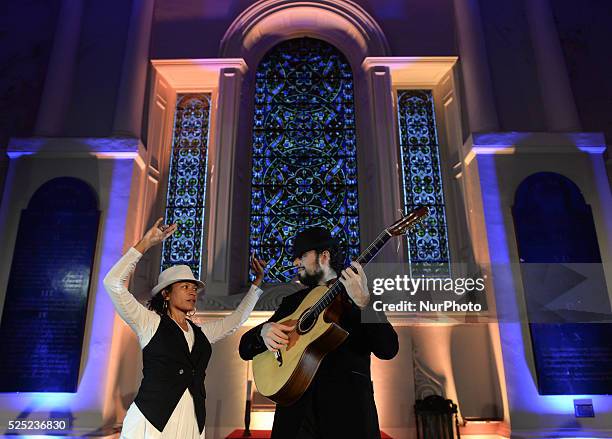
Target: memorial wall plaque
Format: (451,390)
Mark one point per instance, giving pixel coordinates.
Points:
(573,358)
(43,320)
(566,296)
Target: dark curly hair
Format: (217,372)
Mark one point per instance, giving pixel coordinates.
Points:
(157,302)
(336,258)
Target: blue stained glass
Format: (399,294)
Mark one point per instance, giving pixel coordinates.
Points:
(186,198)
(304,169)
(428,252)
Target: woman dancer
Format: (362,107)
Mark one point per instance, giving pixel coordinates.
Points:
(175,352)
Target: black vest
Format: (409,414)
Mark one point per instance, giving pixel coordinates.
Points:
(168,369)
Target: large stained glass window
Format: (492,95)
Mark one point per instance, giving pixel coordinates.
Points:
(304,169)
(185,201)
(422,182)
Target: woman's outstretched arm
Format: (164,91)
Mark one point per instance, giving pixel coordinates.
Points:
(218,329)
(142,321)
(129,309)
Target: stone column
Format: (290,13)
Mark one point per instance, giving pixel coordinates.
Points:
(222,159)
(479,95)
(383,194)
(130,100)
(557,96)
(60,71)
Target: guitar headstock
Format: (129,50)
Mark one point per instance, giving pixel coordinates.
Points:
(403,225)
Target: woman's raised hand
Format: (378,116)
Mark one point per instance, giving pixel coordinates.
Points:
(155,235)
(259,268)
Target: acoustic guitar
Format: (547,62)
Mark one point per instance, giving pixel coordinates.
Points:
(284,375)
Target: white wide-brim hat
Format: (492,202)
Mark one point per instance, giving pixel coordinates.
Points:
(176,273)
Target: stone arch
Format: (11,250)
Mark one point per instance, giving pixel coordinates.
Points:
(553,221)
(64,193)
(343,24)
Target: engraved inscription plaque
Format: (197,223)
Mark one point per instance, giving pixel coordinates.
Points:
(573,358)
(564,284)
(43,320)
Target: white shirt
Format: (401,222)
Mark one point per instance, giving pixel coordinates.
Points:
(144,322)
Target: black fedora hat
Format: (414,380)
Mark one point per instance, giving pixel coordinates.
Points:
(313,238)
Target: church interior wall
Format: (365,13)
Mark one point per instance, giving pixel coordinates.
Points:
(512,66)
(98,68)
(112,181)
(478,386)
(193,29)
(24,54)
(500,175)
(584,34)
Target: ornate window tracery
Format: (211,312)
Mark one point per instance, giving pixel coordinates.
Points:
(304,162)
(186,197)
(428,252)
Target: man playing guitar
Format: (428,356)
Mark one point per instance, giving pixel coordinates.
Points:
(339,401)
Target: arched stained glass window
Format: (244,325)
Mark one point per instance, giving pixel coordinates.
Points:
(428,252)
(304,169)
(186,198)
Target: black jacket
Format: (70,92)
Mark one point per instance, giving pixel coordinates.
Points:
(340,399)
(168,369)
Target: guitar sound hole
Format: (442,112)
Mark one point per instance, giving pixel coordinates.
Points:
(306,322)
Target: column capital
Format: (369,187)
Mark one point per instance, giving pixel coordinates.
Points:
(198,75)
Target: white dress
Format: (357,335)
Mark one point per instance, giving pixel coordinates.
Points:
(182,422)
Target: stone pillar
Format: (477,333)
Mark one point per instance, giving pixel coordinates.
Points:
(60,71)
(479,95)
(130,100)
(557,96)
(222,158)
(383,188)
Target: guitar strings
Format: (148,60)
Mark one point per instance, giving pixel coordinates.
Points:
(362,256)
(331,292)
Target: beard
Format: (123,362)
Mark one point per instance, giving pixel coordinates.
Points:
(312,280)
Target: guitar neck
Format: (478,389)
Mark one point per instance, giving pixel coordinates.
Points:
(364,258)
